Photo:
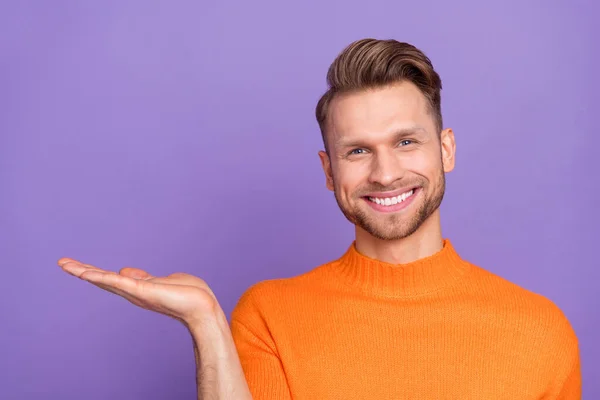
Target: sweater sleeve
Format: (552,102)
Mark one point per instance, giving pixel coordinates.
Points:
(564,357)
(257,351)
(571,387)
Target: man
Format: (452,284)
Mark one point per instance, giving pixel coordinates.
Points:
(400,315)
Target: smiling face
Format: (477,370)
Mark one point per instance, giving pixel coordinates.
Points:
(386,161)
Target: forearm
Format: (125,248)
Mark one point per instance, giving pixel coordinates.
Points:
(219,374)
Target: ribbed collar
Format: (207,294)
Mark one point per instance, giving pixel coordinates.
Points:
(413,279)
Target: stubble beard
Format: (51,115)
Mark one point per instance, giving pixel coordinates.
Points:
(395,226)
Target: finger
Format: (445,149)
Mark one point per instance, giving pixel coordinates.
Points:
(183,279)
(142,303)
(119,293)
(108,288)
(140,289)
(135,273)
(76,268)
(187,279)
(163,282)
(65,260)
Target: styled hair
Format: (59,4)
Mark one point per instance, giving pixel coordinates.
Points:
(372,63)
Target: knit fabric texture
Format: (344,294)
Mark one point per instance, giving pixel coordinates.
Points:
(436,328)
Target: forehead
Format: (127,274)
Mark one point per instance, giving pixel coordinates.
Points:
(379,111)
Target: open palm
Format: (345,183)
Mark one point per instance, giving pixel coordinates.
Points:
(181,296)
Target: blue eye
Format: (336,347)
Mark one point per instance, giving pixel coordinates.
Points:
(405,141)
(356,151)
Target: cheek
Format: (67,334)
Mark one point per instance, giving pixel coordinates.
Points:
(350,178)
(427,165)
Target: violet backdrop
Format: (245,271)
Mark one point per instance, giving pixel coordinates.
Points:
(180,136)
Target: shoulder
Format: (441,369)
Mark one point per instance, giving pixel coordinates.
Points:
(534,310)
(533,323)
(274,295)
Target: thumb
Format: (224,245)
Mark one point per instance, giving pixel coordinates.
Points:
(135,273)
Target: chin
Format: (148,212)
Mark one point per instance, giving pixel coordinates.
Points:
(389,234)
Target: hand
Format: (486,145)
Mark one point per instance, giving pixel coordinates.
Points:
(189,300)
(180,296)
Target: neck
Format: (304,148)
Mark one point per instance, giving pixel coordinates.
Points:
(424,242)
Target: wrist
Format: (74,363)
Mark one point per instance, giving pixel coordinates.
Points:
(213,325)
(217,359)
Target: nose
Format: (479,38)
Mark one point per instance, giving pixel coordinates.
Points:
(386,168)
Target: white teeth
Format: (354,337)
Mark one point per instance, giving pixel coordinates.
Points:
(388,201)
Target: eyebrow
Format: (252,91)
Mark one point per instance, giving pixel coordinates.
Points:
(397,135)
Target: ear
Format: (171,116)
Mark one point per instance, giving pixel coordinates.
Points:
(326,164)
(448,149)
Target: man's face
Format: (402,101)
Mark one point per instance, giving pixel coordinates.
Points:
(386,162)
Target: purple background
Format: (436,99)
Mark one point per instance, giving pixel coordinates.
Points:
(180,136)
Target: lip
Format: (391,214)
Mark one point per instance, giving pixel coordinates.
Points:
(395,207)
(394,193)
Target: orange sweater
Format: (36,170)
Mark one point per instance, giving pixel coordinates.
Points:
(437,328)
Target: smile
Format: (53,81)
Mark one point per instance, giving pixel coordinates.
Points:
(389,201)
(392,204)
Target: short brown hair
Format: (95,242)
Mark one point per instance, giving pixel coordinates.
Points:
(371,63)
